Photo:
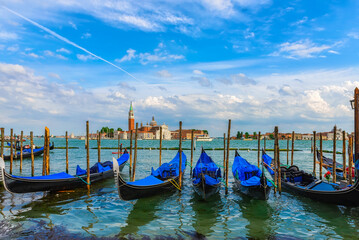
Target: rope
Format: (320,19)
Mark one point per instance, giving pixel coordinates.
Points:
(83,180)
(272,182)
(223,181)
(174,183)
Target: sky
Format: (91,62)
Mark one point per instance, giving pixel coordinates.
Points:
(260,63)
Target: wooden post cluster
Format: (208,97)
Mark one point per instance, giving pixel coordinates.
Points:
(11,149)
(21,146)
(350,159)
(180,155)
(292,154)
(160,160)
(192,139)
(99,146)
(2,142)
(32,154)
(88,155)
(227,154)
(259,148)
(277,160)
(321,156)
(135,155)
(344,160)
(314,153)
(334,155)
(67,152)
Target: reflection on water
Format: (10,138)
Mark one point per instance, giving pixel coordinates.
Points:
(101,213)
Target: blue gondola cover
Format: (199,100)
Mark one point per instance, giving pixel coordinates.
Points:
(211,171)
(268,160)
(170,169)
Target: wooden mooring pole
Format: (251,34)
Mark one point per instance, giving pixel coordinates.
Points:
(21,146)
(11,149)
(275,153)
(321,156)
(135,155)
(279,176)
(32,154)
(227,155)
(67,152)
(287,151)
(130,168)
(356,129)
(180,155)
(314,153)
(344,155)
(334,154)
(292,153)
(48,152)
(264,142)
(44,161)
(160,153)
(2,142)
(224,155)
(259,148)
(118,145)
(88,155)
(99,147)
(192,139)
(350,159)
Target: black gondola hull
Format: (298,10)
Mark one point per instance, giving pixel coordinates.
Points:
(257,192)
(25,185)
(204,190)
(131,192)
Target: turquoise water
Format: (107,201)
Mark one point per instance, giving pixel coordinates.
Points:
(101,213)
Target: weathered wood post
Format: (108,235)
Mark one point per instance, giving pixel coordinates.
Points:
(14,147)
(334,154)
(259,148)
(279,181)
(321,156)
(275,155)
(356,129)
(192,135)
(32,154)
(292,156)
(2,142)
(350,159)
(88,155)
(160,155)
(48,152)
(118,145)
(67,152)
(44,161)
(135,155)
(180,155)
(99,147)
(130,168)
(344,160)
(224,155)
(287,151)
(11,149)
(264,142)
(227,155)
(314,153)
(21,145)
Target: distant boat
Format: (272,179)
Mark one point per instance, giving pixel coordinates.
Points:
(204,138)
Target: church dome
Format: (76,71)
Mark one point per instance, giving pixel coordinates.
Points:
(153,122)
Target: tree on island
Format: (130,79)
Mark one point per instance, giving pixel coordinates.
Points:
(205,132)
(239,135)
(246,135)
(109,131)
(119,129)
(254,135)
(271,136)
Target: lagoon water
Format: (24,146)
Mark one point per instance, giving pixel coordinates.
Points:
(101,213)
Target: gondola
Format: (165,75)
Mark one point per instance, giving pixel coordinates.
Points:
(164,179)
(304,184)
(18,147)
(206,176)
(249,179)
(59,181)
(26,153)
(328,165)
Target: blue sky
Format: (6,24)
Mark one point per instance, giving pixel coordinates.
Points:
(259,62)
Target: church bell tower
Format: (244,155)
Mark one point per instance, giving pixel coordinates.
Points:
(131,119)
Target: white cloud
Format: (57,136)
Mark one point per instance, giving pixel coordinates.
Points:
(86,35)
(125,85)
(203,81)
(300,49)
(164,74)
(334,52)
(73,25)
(7,36)
(52,54)
(131,54)
(34,55)
(14,48)
(55,75)
(84,58)
(242,79)
(354,35)
(63,50)
(198,72)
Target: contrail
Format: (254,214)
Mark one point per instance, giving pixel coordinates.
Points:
(66,40)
